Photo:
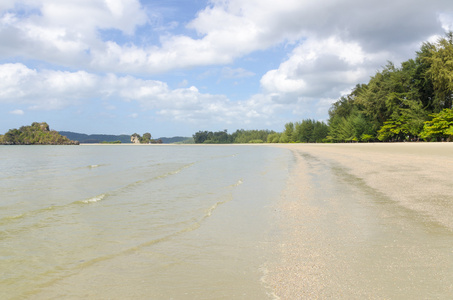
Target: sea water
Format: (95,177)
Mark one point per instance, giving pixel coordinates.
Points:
(142,222)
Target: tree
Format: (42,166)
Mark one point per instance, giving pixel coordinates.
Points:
(273,137)
(146,138)
(393,130)
(421,80)
(287,134)
(440,127)
(441,70)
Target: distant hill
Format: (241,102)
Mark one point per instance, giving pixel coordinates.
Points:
(175,139)
(124,138)
(95,138)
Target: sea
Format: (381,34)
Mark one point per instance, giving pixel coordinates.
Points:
(138,221)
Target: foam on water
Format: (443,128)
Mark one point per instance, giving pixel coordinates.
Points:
(94,199)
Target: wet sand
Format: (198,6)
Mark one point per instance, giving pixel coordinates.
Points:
(371,221)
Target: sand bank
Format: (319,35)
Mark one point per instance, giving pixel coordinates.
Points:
(366,221)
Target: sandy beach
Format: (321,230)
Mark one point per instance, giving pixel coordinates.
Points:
(366,221)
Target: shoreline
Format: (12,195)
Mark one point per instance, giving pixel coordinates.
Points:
(404,172)
(365,221)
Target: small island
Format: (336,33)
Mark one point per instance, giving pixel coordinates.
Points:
(36,134)
(145,139)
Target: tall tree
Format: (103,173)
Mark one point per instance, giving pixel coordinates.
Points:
(441,71)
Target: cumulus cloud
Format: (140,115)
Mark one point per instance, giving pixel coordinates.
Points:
(225,30)
(54,90)
(319,68)
(44,89)
(64,32)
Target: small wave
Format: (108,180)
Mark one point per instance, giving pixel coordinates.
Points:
(211,209)
(177,171)
(19,216)
(237,183)
(264,276)
(94,199)
(8,219)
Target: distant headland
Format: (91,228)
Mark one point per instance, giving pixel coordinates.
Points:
(35,134)
(123,138)
(40,134)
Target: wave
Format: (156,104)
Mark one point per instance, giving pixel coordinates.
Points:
(177,171)
(182,227)
(188,226)
(238,183)
(210,210)
(91,200)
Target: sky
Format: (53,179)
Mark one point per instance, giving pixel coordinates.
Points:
(174,67)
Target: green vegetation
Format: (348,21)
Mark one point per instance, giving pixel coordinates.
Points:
(123,138)
(440,127)
(114,142)
(36,134)
(184,141)
(307,131)
(238,137)
(96,138)
(403,103)
(145,139)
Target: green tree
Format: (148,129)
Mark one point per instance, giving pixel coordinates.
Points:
(440,127)
(287,135)
(146,138)
(394,130)
(441,71)
(421,80)
(273,137)
(200,137)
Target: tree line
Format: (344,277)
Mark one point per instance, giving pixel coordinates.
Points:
(406,103)
(410,102)
(307,131)
(238,137)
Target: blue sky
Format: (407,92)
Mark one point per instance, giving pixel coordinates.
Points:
(177,66)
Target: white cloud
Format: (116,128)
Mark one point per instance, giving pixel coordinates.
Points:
(447,21)
(67,32)
(321,68)
(54,90)
(46,89)
(18,112)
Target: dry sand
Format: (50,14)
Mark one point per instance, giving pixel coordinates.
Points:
(366,221)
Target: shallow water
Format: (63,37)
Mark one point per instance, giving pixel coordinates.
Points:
(154,222)
(344,239)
